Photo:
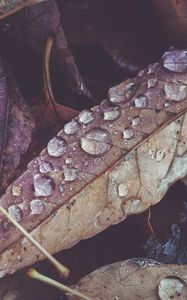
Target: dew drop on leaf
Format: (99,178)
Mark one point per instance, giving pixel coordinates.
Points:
(152,82)
(160,154)
(175,91)
(86,117)
(43,185)
(56,146)
(171,288)
(123,190)
(136,121)
(175,61)
(37,206)
(128,133)
(70,174)
(15,212)
(112,114)
(96,141)
(16,190)
(167,103)
(72,127)
(140,101)
(45,167)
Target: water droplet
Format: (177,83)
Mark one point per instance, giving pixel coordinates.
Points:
(56,147)
(171,288)
(86,117)
(71,174)
(152,68)
(16,190)
(136,121)
(61,188)
(122,92)
(112,114)
(130,90)
(68,161)
(175,60)
(123,190)
(128,133)
(37,206)
(152,82)
(141,101)
(175,91)
(160,155)
(96,141)
(167,103)
(72,127)
(15,212)
(43,185)
(46,167)
(116,95)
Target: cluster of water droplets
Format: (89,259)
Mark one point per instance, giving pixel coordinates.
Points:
(97,141)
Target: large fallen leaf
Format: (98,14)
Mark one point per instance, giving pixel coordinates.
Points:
(136,279)
(110,162)
(16,126)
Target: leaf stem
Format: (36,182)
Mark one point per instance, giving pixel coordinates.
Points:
(36,275)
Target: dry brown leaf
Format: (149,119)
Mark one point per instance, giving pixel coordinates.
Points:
(135,279)
(16,126)
(115,160)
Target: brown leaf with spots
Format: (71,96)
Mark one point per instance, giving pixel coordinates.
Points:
(115,160)
(16,126)
(135,279)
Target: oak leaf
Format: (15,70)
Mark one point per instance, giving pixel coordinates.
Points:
(115,160)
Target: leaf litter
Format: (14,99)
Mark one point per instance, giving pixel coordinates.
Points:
(103,173)
(132,99)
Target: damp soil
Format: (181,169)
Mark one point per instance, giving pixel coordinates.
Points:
(111,41)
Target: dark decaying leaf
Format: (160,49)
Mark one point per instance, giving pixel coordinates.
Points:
(16,126)
(49,115)
(172,15)
(135,279)
(8,7)
(115,160)
(41,21)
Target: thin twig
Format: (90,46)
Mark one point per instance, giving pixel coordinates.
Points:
(46,72)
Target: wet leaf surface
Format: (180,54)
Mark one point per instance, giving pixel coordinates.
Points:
(112,161)
(135,279)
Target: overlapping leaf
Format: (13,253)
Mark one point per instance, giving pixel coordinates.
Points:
(8,7)
(110,162)
(16,126)
(135,279)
